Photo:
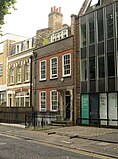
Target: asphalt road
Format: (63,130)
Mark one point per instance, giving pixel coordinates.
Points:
(18,148)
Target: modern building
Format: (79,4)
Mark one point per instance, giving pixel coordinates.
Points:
(5,44)
(99,62)
(19,76)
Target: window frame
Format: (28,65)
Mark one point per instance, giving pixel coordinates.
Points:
(42,79)
(63,70)
(51,101)
(11,75)
(1,69)
(19,74)
(53,76)
(27,72)
(22,96)
(43,101)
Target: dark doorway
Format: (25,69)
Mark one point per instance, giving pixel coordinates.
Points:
(94,109)
(67,105)
(10,100)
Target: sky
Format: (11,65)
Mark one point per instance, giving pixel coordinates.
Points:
(32,15)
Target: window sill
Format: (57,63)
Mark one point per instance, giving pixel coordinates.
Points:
(19,82)
(27,81)
(64,76)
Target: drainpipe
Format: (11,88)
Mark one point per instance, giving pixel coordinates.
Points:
(31,82)
(35,56)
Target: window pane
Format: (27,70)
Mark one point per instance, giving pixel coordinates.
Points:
(117,17)
(43,101)
(43,70)
(19,73)
(1,69)
(111,68)
(101,67)
(100,25)
(66,61)
(83,70)
(83,35)
(109,17)
(54,100)
(92,67)
(11,75)
(91,28)
(27,71)
(53,67)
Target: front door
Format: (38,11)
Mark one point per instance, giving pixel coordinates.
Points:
(67,106)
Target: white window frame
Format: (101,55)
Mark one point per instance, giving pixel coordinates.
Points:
(19,73)
(42,109)
(53,76)
(22,95)
(11,75)
(51,101)
(27,72)
(41,79)
(1,69)
(63,69)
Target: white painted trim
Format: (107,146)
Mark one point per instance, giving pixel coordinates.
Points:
(45,70)
(19,57)
(40,100)
(18,86)
(63,75)
(51,100)
(51,68)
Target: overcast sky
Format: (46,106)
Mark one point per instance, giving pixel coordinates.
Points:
(32,15)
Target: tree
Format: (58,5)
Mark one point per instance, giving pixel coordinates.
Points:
(5,5)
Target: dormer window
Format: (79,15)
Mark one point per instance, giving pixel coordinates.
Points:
(13,51)
(18,49)
(95,3)
(27,44)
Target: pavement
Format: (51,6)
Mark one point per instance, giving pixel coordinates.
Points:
(89,139)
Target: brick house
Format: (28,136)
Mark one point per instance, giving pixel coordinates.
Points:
(19,84)
(53,80)
(5,44)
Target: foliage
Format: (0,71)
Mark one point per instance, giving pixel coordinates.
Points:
(5,5)
(45,41)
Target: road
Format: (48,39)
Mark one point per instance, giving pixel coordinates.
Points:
(18,148)
(18,143)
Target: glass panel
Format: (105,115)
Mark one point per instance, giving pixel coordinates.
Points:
(43,101)
(103,108)
(91,28)
(92,67)
(109,18)
(111,67)
(83,35)
(112,108)
(54,100)
(94,109)
(54,68)
(117,17)
(101,67)
(83,70)
(101,48)
(66,62)
(43,70)
(85,108)
(100,25)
